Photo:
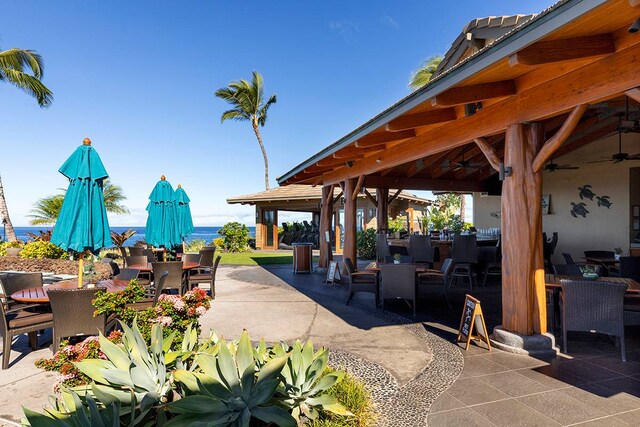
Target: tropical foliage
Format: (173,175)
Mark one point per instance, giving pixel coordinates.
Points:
(248,104)
(235,237)
(120,238)
(42,249)
(422,75)
(366,243)
(24,68)
(213,382)
(398,224)
(47,209)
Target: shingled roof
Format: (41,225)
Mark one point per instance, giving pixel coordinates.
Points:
(306,193)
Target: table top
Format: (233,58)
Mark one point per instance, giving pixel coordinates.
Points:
(601,260)
(420,268)
(147,267)
(39,295)
(553,281)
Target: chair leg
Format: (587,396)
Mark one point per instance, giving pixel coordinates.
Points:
(6,351)
(484,279)
(33,340)
(350,296)
(564,340)
(622,349)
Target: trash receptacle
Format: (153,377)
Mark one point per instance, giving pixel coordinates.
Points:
(302,258)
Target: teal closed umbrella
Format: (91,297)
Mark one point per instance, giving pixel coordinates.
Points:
(82,224)
(162,222)
(185,222)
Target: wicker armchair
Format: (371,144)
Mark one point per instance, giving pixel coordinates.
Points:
(136,251)
(591,306)
(175,280)
(398,281)
(128,274)
(382,247)
(137,260)
(73,314)
(361,281)
(207,277)
(421,250)
(435,281)
(191,258)
(464,253)
(15,282)
(17,321)
(153,294)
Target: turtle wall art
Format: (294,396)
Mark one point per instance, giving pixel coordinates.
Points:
(585,192)
(604,202)
(579,209)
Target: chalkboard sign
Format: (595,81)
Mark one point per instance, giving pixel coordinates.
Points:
(472,324)
(332,272)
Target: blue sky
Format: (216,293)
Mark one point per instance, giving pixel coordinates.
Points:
(138,79)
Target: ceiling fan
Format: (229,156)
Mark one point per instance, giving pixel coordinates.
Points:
(552,167)
(462,164)
(624,126)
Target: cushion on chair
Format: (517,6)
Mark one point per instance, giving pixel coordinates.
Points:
(21,319)
(203,277)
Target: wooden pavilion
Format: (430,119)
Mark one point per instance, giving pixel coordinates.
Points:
(550,85)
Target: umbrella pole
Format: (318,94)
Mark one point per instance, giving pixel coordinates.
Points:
(80,270)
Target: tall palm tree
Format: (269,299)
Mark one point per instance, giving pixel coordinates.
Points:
(14,64)
(422,75)
(47,209)
(247,100)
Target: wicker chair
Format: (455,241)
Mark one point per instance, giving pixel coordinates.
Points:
(176,279)
(210,278)
(123,252)
(115,269)
(151,256)
(73,314)
(590,306)
(361,281)
(464,253)
(136,251)
(404,259)
(137,260)
(128,274)
(153,294)
(435,281)
(17,321)
(568,259)
(398,281)
(15,282)
(206,256)
(421,250)
(191,258)
(382,247)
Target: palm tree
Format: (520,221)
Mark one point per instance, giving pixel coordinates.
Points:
(13,63)
(422,75)
(47,209)
(247,100)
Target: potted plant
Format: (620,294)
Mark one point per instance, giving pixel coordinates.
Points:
(396,225)
(397,258)
(617,253)
(456,225)
(589,272)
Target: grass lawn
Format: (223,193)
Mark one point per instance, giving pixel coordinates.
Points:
(258,258)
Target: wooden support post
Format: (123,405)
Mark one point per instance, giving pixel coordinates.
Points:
(382,213)
(349,249)
(523,288)
(326,214)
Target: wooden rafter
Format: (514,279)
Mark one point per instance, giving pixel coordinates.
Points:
(325,202)
(545,52)
(605,128)
(349,152)
(424,183)
(394,196)
(357,187)
(330,161)
(335,199)
(412,121)
(415,168)
(468,94)
(371,198)
(634,3)
(381,138)
(552,144)
(489,153)
(634,93)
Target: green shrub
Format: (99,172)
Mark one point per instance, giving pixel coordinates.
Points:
(366,244)
(195,245)
(456,224)
(236,237)
(5,245)
(398,224)
(218,242)
(42,249)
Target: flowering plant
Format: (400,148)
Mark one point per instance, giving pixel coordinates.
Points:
(62,360)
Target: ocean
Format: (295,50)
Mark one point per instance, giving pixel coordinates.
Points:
(199,233)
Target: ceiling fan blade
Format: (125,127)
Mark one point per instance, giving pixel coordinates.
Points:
(567,167)
(600,161)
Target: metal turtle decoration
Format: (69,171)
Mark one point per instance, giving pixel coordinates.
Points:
(603,201)
(585,192)
(579,209)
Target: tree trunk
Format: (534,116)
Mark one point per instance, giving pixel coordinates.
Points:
(350,248)
(326,214)
(4,213)
(523,288)
(264,154)
(382,212)
(463,207)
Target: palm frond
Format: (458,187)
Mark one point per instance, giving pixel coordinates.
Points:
(20,59)
(113,198)
(422,75)
(46,210)
(234,115)
(29,84)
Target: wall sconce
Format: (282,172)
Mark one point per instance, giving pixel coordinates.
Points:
(505,171)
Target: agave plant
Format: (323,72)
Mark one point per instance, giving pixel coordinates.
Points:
(304,386)
(133,375)
(70,410)
(227,391)
(120,238)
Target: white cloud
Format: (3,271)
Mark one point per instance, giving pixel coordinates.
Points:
(389,21)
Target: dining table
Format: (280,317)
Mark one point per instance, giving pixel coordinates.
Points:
(148,267)
(39,294)
(606,261)
(553,281)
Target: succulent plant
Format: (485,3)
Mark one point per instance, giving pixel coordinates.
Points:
(228,390)
(304,387)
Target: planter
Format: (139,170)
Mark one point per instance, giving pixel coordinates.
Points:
(13,251)
(396,262)
(617,257)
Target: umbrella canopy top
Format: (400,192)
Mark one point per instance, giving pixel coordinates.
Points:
(162,192)
(181,196)
(84,163)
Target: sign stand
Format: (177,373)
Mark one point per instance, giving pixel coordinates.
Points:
(472,324)
(332,273)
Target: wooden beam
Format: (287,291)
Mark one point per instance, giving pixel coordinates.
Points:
(326,213)
(337,198)
(412,121)
(349,248)
(600,79)
(382,212)
(634,93)
(634,3)
(381,138)
(425,184)
(475,93)
(330,161)
(488,152)
(576,141)
(559,138)
(371,198)
(396,194)
(357,188)
(348,153)
(329,195)
(415,168)
(545,52)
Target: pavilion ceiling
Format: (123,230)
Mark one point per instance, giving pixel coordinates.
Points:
(591,60)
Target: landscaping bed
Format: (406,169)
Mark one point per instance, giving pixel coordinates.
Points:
(57,266)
